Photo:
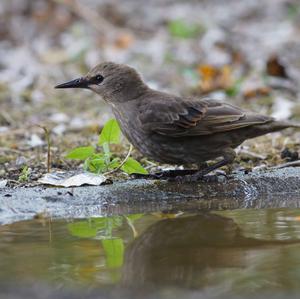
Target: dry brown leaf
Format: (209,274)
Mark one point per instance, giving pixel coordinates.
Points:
(124,41)
(261,91)
(213,78)
(274,67)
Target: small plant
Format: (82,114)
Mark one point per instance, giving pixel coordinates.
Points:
(105,161)
(104,229)
(24,176)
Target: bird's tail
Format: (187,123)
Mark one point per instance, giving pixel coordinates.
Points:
(272,126)
(281,125)
(294,124)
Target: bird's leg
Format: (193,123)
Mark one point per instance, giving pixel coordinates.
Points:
(228,157)
(191,175)
(202,165)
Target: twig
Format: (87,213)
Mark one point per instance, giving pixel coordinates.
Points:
(47,135)
(130,224)
(7,118)
(13,181)
(252,154)
(288,164)
(122,163)
(7,149)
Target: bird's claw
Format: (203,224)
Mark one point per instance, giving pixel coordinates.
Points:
(166,174)
(188,178)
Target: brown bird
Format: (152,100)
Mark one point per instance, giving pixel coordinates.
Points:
(173,129)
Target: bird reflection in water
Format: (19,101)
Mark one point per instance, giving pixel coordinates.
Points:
(188,252)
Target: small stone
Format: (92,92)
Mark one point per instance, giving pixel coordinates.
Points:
(35,141)
(21,161)
(3,183)
(289,155)
(59,129)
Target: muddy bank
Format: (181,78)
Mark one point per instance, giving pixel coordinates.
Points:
(272,189)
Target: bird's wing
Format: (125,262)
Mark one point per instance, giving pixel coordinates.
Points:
(177,117)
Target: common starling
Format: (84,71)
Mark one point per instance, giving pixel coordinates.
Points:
(173,129)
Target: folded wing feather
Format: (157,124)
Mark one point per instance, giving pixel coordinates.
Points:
(177,117)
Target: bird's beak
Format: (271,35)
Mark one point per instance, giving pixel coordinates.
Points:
(77,83)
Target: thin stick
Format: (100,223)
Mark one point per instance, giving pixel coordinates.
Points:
(252,154)
(48,150)
(130,224)
(7,149)
(122,163)
(47,135)
(288,164)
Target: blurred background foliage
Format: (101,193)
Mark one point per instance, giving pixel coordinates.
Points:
(244,52)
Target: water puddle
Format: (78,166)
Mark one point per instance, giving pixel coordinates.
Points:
(223,253)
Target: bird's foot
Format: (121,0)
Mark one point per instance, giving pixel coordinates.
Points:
(183,176)
(150,176)
(166,174)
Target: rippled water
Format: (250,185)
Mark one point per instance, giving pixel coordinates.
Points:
(225,252)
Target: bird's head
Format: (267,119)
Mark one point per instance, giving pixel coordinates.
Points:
(114,82)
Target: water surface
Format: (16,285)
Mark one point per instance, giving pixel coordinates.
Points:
(240,252)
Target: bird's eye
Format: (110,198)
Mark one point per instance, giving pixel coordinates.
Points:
(96,79)
(99,78)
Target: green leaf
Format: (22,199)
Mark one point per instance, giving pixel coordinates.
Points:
(107,154)
(110,133)
(81,153)
(87,228)
(109,224)
(97,166)
(100,227)
(24,176)
(181,29)
(114,252)
(106,149)
(96,163)
(114,163)
(133,166)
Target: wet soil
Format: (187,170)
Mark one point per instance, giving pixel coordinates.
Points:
(261,189)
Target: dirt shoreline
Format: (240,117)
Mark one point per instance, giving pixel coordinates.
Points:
(265,189)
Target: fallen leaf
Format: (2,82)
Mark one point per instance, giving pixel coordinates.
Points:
(69,179)
(260,91)
(213,78)
(124,41)
(274,67)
